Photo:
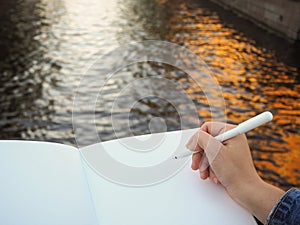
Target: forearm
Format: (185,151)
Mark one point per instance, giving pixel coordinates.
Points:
(259,198)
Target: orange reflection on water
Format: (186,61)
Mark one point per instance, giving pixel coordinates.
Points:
(253,80)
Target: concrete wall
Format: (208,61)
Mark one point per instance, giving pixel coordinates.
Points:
(281,16)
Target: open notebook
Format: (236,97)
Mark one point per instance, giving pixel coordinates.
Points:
(52,184)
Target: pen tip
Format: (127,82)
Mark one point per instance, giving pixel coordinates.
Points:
(175,157)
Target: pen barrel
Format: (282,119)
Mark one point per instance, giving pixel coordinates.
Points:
(240,129)
(255,122)
(246,126)
(227,135)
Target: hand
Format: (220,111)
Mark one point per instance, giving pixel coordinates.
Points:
(231,165)
(231,161)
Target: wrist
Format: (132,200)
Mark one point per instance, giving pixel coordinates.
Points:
(258,197)
(242,192)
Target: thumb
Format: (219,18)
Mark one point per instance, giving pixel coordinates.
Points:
(209,144)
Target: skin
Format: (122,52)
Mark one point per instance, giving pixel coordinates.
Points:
(231,165)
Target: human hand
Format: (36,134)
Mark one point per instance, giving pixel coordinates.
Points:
(230,162)
(231,165)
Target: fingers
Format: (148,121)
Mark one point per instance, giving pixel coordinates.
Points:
(209,173)
(196,158)
(209,144)
(207,148)
(200,162)
(196,162)
(204,164)
(193,144)
(204,174)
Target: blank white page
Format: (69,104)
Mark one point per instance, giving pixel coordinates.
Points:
(43,184)
(183,199)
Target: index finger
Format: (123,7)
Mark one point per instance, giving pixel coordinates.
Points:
(209,144)
(192,144)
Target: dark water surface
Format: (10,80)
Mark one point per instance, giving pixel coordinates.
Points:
(45,47)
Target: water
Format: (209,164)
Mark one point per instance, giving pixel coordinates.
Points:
(47,45)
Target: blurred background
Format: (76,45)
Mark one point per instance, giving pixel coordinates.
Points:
(45,47)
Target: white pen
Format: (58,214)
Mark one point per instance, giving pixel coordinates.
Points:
(242,128)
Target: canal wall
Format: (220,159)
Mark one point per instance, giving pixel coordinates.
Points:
(279,16)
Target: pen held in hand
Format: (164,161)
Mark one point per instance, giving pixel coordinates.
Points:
(242,128)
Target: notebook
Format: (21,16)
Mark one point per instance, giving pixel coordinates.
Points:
(45,183)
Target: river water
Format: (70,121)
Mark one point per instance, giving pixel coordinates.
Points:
(47,45)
